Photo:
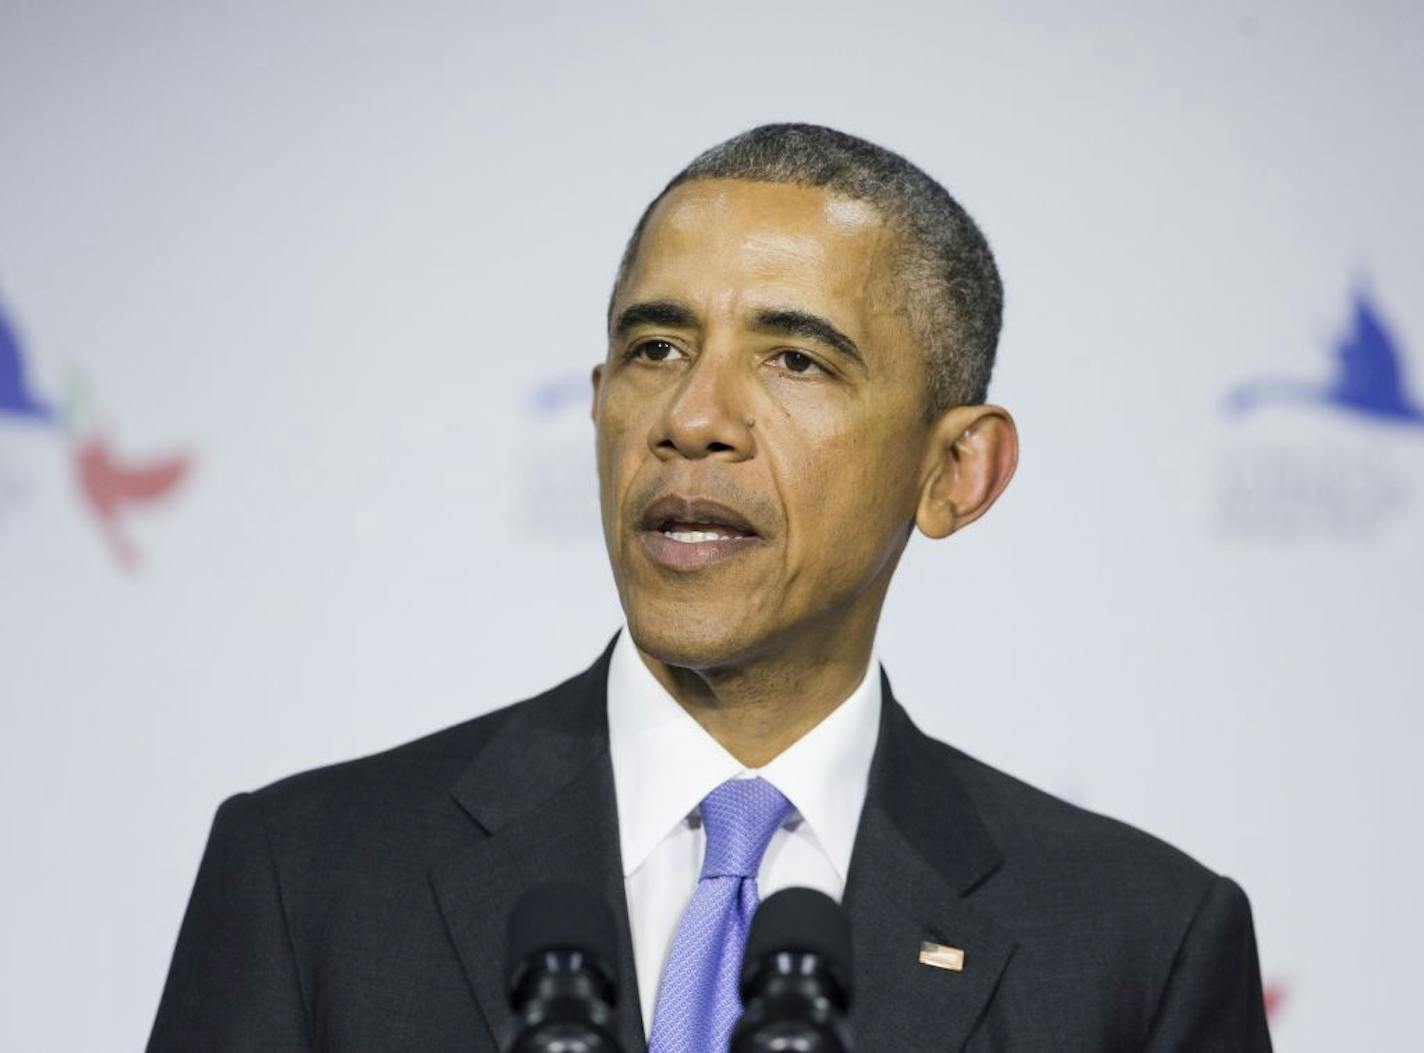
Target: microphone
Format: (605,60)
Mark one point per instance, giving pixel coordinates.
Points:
(560,965)
(796,977)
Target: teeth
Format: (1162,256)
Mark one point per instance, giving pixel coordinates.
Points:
(690,537)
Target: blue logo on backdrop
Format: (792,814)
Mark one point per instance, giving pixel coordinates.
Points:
(559,393)
(1369,376)
(1314,485)
(557,480)
(16,396)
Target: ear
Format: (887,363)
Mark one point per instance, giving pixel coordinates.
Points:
(597,382)
(971,457)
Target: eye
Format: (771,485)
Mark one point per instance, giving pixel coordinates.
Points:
(655,351)
(798,362)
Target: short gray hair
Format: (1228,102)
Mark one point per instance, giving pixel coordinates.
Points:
(953,294)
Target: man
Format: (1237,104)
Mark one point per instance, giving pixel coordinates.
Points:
(800,340)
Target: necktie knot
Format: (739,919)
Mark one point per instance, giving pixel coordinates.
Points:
(739,818)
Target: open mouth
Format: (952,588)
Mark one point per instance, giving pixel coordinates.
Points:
(689,533)
(693,533)
(693,520)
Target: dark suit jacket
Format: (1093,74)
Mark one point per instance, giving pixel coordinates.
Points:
(363,906)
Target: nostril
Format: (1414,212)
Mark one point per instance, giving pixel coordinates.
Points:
(717,447)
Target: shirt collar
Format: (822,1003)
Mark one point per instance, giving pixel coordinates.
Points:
(664,763)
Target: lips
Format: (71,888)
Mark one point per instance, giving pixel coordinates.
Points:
(682,533)
(674,515)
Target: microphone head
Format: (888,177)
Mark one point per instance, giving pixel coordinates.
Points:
(561,916)
(799,921)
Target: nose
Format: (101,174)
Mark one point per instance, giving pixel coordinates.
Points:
(706,414)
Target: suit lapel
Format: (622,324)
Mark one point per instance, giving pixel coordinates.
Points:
(542,800)
(920,850)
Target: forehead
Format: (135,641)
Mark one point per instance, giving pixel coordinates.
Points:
(728,242)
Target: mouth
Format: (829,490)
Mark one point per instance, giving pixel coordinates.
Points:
(683,533)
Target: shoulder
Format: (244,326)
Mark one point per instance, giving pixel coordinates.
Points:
(414,775)
(1037,831)
(1078,886)
(1071,876)
(404,793)
(1107,921)
(1022,835)
(1113,920)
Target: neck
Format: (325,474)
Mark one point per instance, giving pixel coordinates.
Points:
(758,707)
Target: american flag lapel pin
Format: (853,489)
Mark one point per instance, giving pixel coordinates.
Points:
(942,956)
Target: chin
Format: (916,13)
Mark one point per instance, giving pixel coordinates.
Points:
(693,635)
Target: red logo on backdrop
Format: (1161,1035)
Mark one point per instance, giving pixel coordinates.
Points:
(111,485)
(1276,995)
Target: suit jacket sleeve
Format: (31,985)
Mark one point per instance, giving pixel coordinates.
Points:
(233,984)
(1213,1001)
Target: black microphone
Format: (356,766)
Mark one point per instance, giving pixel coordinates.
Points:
(796,977)
(561,966)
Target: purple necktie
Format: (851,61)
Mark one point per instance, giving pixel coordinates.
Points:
(698,1004)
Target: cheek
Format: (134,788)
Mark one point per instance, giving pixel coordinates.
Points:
(621,450)
(614,429)
(850,497)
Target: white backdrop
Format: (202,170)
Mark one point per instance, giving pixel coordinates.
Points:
(348,263)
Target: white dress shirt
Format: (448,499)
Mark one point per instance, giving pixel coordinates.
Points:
(664,763)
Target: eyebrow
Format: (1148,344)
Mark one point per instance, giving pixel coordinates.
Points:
(781,321)
(667,313)
(790,322)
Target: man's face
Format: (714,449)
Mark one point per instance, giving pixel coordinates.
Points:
(760,423)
